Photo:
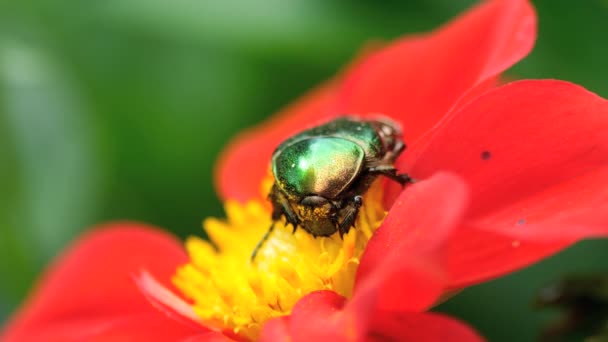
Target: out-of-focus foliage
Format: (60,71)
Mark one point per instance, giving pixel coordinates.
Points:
(583,302)
(117,109)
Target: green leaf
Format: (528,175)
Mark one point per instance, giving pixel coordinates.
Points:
(49,157)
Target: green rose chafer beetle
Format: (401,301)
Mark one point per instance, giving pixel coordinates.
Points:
(320,174)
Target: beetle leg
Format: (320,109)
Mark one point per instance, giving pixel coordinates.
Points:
(349,215)
(261,242)
(390,172)
(401,178)
(281,207)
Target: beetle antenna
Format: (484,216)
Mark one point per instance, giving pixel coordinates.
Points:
(261,243)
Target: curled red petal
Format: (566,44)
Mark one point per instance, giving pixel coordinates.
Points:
(276,329)
(413,234)
(418,79)
(89,290)
(318,316)
(327,316)
(533,154)
(420,327)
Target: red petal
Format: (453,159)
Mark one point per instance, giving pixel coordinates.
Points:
(417,80)
(475,255)
(534,153)
(153,326)
(246,161)
(411,240)
(572,225)
(481,253)
(276,330)
(165,300)
(90,288)
(420,327)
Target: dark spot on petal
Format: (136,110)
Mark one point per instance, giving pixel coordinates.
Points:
(486,155)
(521,222)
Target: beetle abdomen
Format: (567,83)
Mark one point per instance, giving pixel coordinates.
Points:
(322,166)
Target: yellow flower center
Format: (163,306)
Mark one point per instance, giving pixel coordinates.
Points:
(231,292)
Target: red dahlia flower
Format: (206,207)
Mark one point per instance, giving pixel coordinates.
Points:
(506,176)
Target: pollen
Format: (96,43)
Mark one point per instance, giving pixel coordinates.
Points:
(230,292)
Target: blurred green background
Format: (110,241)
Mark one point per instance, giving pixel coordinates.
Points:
(117,109)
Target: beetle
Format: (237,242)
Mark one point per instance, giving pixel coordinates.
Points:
(321,173)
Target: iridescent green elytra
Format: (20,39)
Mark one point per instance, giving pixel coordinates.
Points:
(323,166)
(321,173)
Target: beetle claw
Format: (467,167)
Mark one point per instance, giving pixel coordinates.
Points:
(351,210)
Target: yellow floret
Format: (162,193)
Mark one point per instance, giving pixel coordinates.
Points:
(231,292)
